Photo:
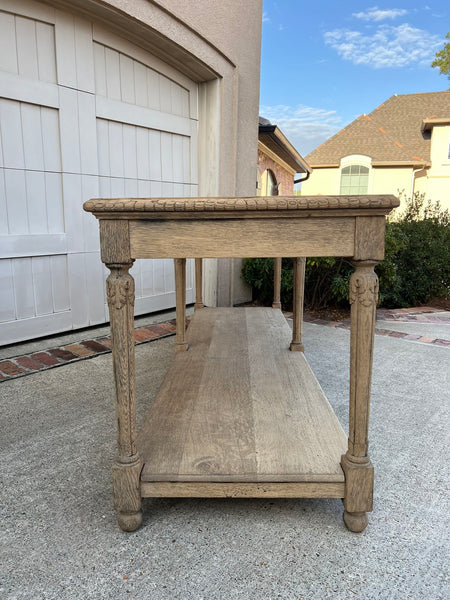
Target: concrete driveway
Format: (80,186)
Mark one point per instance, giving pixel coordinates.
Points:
(59,533)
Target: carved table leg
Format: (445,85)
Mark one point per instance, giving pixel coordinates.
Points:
(198,284)
(180,299)
(277,283)
(356,463)
(297,305)
(127,470)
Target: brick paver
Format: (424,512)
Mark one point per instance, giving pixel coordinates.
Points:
(10,368)
(63,354)
(95,346)
(29,363)
(79,350)
(45,358)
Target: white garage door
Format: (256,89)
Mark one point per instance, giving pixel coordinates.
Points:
(83,114)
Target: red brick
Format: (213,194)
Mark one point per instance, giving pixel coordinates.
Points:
(105,342)
(78,349)
(9,368)
(151,334)
(439,342)
(412,336)
(157,329)
(397,334)
(141,335)
(95,346)
(45,358)
(63,354)
(426,340)
(169,326)
(2,377)
(29,363)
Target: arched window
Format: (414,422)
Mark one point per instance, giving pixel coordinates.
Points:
(269,185)
(354,179)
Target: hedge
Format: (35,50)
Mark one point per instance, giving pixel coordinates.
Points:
(416,265)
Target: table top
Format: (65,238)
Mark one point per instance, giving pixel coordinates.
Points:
(238,207)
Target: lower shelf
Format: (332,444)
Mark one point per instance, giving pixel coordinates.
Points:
(199,489)
(238,414)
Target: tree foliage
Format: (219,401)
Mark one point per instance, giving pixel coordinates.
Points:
(442,60)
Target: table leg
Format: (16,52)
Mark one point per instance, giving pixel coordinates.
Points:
(277,283)
(356,463)
(180,299)
(297,304)
(198,283)
(128,466)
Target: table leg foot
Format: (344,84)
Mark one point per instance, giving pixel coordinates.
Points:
(129,521)
(356,521)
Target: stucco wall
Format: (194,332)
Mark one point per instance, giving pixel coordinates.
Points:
(439,173)
(321,182)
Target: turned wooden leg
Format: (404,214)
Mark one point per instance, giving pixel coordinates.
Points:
(198,284)
(180,299)
(127,470)
(297,308)
(356,462)
(277,283)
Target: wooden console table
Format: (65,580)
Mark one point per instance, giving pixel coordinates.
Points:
(240,413)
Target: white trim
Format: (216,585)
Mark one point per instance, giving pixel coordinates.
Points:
(34,327)
(19,246)
(15,87)
(116,110)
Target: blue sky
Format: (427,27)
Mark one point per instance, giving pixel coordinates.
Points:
(325,63)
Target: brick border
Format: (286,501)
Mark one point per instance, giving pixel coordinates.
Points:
(35,362)
(404,315)
(27,364)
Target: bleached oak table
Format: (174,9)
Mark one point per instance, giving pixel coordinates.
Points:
(240,413)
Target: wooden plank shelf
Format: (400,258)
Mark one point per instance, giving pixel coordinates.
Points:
(240,407)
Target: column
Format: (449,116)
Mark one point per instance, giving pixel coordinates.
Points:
(128,466)
(297,304)
(356,462)
(180,299)
(277,283)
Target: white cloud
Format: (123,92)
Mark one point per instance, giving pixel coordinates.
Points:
(380,14)
(265,17)
(389,46)
(305,127)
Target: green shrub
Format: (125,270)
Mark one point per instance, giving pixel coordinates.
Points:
(416,265)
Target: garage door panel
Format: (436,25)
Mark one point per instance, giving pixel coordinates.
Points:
(24,298)
(74,52)
(79,120)
(16,194)
(60,283)
(36,201)
(120,77)
(27,47)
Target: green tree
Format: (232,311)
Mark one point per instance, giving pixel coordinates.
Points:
(442,59)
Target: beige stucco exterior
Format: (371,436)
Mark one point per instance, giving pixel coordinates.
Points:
(218,45)
(432,179)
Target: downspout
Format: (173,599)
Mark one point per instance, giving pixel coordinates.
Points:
(304,178)
(413,179)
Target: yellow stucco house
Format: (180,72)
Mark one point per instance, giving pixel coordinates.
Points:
(401,147)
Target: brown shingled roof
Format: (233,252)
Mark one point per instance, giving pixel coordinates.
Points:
(390,133)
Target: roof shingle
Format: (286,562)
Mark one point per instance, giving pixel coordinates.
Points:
(390,133)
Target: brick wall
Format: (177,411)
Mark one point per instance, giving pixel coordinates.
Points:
(281,175)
